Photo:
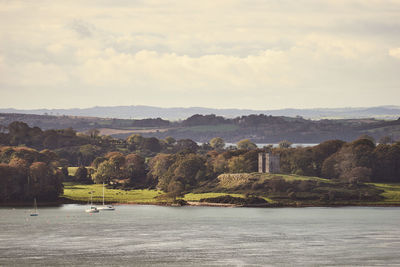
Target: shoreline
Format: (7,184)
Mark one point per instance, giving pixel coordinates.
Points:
(203,204)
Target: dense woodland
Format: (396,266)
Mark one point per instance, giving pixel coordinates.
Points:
(33,162)
(26,173)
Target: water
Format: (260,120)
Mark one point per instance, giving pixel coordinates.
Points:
(261,145)
(200,236)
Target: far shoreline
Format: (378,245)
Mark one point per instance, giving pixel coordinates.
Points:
(199,204)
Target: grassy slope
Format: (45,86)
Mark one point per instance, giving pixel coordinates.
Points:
(391,193)
(197,197)
(231,180)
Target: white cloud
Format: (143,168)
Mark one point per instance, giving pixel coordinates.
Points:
(395,52)
(164,52)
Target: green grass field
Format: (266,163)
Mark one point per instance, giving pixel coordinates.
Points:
(72,171)
(210,128)
(391,193)
(197,197)
(80,193)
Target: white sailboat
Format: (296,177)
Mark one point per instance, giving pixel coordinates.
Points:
(106,207)
(92,208)
(35,210)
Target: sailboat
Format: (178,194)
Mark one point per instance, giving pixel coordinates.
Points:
(92,208)
(35,210)
(106,207)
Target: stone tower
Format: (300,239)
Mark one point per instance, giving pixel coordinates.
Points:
(268,163)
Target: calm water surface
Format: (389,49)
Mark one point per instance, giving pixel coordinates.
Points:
(205,236)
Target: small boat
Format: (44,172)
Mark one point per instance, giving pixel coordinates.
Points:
(92,209)
(106,207)
(35,210)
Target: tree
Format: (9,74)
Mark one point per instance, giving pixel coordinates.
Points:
(186,144)
(324,150)
(170,140)
(93,133)
(189,169)
(88,153)
(151,144)
(135,141)
(135,169)
(239,165)
(44,182)
(285,144)
(105,173)
(175,189)
(386,167)
(246,144)
(158,168)
(359,174)
(358,153)
(301,162)
(81,176)
(96,162)
(117,159)
(219,164)
(19,132)
(217,143)
(368,137)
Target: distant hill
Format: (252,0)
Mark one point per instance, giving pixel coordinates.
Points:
(201,128)
(141,112)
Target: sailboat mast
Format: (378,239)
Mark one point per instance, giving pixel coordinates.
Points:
(103,193)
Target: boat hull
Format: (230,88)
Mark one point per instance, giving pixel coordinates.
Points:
(109,208)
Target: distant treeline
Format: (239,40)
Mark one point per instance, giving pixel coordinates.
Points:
(201,128)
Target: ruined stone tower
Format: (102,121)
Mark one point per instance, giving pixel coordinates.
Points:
(268,163)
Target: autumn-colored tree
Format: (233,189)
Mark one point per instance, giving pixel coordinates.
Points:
(44,182)
(82,176)
(239,164)
(135,169)
(285,144)
(217,143)
(170,140)
(106,172)
(246,144)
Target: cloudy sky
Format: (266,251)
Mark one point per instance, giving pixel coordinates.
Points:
(263,54)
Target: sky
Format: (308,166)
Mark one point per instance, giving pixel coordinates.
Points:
(257,54)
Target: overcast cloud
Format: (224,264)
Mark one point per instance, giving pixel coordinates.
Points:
(240,54)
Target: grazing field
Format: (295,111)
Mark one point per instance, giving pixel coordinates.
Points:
(81,193)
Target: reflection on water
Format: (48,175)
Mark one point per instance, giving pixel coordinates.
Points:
(153,235)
